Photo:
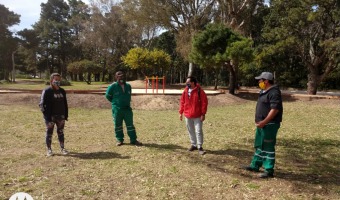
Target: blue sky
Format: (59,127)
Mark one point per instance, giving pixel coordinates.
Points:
(28,9)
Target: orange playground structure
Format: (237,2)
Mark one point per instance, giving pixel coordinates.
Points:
(153,82)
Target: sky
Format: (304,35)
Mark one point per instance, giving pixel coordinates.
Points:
(28,9)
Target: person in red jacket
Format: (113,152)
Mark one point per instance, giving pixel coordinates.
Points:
(193,104)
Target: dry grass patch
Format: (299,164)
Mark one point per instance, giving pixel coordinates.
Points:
(307,155)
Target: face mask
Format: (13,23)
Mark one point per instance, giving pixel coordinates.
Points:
(189,85)
(262,85)
(56,83)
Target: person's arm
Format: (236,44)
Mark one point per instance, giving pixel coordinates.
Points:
(45,104)
(109,93)
(204,104)
(181,106)
(272,113)
(66,105)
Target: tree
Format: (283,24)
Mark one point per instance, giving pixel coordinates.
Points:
(79,16)
(308,29)
(29,48)
(142,23)
(160,61)
(107,36)
(84,68)
(147,61)
(166,42)
(184,18)
(54,34)
(8,44)
(218,46)
(240,15)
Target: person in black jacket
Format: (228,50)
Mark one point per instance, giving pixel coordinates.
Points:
(268,117)
(53,105)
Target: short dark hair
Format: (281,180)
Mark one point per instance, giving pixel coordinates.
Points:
(192,79)
(119,73)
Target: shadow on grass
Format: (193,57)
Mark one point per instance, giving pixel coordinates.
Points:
(232,152)
(97,155)
(163,146)
(299,161)
(314,161)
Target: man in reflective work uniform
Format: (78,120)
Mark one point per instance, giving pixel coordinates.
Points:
(268,118)
(119,94)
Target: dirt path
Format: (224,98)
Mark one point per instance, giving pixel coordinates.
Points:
(142,102)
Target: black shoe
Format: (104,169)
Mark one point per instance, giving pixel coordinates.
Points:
(119,143)
(192,148)
(266,175)
(201,151)
(137,143)
(248,168)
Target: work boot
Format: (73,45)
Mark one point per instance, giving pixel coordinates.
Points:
(137,143)
(248,168)
(192,148)
(266,175)
(119,143)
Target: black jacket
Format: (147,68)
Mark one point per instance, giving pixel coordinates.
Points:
(270,99)
(46,103)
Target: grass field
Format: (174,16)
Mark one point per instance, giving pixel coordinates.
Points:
(308,156)
(33,84)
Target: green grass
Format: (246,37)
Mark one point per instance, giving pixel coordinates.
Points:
(39,84)
(307,156)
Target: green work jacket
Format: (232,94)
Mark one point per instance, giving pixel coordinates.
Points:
(118,97)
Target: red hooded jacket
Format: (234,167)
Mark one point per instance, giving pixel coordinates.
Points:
(194,106)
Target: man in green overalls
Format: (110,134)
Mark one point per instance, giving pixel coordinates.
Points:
(119,94)
(268,117)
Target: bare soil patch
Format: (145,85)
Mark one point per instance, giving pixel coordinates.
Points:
(140,102)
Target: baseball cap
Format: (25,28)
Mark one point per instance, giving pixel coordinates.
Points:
(265,75)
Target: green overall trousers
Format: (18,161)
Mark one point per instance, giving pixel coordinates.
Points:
(265,140)
(121,110)
(124,114)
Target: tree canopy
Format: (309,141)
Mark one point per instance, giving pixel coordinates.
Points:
(308,29)
(298,40)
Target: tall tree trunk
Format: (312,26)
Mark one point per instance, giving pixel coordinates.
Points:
(191,69)
(104,71)
(215,84)
(313,81)
(180,76)
(13,65)
(232,77)
(232,81)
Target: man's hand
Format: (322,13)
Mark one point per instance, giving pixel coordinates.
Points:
(202,118)
(261,124)
(180,117)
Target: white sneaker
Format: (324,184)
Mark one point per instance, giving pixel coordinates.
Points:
(64,151)
(49,152)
